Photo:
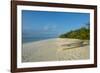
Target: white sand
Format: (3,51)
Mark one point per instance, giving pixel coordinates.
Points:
(53,50)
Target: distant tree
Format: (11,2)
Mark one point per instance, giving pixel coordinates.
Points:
(81,33)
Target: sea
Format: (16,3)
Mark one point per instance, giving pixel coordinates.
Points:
(34,39)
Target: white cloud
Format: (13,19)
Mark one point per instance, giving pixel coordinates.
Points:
(49,27)
(46,27)
(54,26)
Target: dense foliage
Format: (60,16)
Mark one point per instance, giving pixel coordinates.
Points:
(81,33)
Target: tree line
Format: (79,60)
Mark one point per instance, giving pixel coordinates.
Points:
(81,33)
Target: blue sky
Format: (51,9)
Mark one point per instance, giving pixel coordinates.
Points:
(52,23)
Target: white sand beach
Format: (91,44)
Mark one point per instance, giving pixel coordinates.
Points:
(56,49)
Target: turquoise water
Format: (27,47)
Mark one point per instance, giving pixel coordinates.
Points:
(33,39)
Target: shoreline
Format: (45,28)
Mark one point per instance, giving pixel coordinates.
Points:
(53,50)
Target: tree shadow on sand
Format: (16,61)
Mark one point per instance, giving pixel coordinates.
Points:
(75,45)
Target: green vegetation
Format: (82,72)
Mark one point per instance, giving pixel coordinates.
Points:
(81,33)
